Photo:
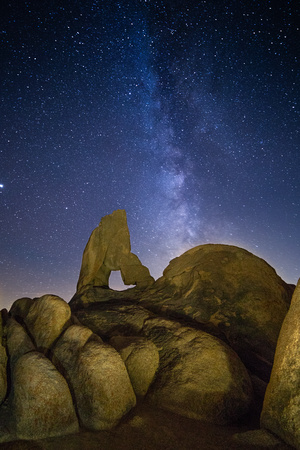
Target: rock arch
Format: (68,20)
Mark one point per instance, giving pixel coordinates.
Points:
(109,249)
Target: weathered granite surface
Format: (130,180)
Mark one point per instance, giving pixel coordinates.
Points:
(281,408)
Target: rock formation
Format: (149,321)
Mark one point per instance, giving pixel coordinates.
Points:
(62,374)
(109,249)
(114,318)
(198,375)
(191,343)
(281,408)
(21,307)
(39,403)
(231,294)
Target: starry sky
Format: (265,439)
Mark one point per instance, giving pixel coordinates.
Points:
(183,113)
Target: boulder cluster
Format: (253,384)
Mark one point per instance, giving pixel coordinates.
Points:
(199,342)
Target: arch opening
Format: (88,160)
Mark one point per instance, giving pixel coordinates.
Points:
(115,281)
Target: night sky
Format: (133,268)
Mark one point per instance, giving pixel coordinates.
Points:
(183,113)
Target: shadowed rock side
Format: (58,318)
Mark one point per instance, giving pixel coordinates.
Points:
(230,293)
(281,408)
(20,307)
(18,341)
(109,249)
(114,317)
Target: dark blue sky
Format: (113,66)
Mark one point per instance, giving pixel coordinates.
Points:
(185,114)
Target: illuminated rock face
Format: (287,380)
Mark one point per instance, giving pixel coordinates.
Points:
(98,377)
(102,387)
(41,400)
(281,408)
(109,249)
(3,362)
(230,293)
(68,346)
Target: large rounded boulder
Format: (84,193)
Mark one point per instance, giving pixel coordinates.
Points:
(199,376)
(97,375)
(229,292)
(47,317)
(41,401)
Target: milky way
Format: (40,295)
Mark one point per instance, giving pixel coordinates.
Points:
(185,114)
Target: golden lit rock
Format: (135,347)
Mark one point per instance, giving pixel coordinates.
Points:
(41,402)
(281,408)
(48,316)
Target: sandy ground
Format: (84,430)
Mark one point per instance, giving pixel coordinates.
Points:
(148,429)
